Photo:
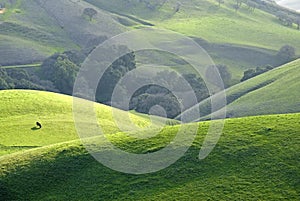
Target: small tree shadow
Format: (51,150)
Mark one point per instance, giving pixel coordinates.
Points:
(35,128)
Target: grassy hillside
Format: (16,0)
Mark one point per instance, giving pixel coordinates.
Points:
(278,92)
(241,40)
(257,158)
(57,26)
(205,19)
(273,92)
(19,111)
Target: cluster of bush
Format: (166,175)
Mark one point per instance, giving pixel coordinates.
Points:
(288,20)
(168,95)
(58,73)
(254,72)
(14,78)
(62,69)
(286,54)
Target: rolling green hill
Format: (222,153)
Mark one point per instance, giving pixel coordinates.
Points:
(273,92)
(257,158)
(241,40)
(36,29)
(206,20)
(19,111)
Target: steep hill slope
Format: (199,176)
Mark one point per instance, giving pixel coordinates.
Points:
(19,111)
(273,92)
(257,158)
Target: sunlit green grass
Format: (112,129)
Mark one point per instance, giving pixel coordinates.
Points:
(280,96)
(20,110)
(205,19)
(257,32)
(24,66)
(253,29)
(257,158)
(274,92)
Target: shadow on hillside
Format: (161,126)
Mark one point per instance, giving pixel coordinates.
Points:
(35,128)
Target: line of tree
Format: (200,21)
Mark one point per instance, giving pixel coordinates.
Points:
(151,95)
(59,71)
(15,78)
(285,16)
(251,5)
(222,70)
(62,68)
(250,73)
(286,54)
(288,20)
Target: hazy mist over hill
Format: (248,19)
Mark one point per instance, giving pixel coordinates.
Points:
(292,4)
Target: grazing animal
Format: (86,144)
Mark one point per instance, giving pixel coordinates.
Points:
(39,124)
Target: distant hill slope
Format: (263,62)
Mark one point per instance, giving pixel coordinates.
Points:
(273,92)
(241,40)
(257,158)
(21,109)
(234,38)
(37,28)
(205,19)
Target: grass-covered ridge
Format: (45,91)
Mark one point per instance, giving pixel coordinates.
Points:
(205,19)
(274,92)
(59,25)
(20,109)
(257,158)
(241,40)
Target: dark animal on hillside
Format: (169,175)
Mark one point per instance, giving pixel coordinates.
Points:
(39,124)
